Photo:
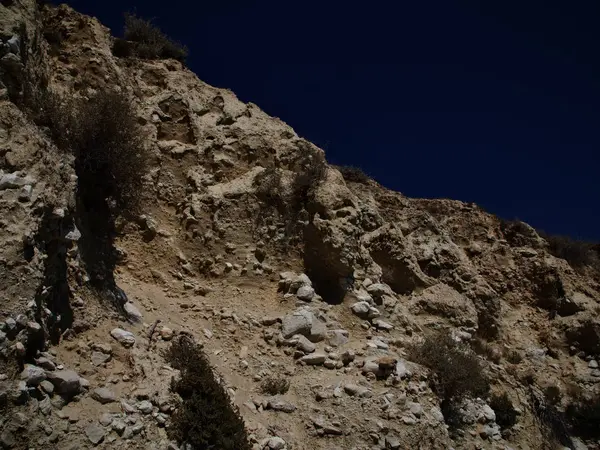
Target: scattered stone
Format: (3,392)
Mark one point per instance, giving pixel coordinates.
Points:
(33,375)
(106,419)
(337,338)
(7,439)
(315,359)
(94,433)
(47,387)
(347,357)
(487,414)
(364,310)
(401,370)
(305,293)
(45,406)
(166,334)
(103,395)
(415,408)
(593,364)
(207,333)
(304,344)
(277,404)
(125,338)
(298,282)
(133,313)
(392,442)
(13,181)
(118,426)
(127,408)
(103,348)
(356,390)
(382,325)
(145,407)
(66,382)
(378,290)
(45,363)
(275,443)
(299,322)
(99,358)
(20,394)
(268,321)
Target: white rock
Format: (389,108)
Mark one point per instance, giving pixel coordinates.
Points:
(305,293)
(314,359)
(276,443)
(12,181)
(133,313)
(299,322)
(103,395)
(125,338)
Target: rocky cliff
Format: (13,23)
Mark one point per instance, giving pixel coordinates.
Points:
(279,265)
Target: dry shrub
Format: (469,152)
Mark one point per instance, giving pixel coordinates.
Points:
(206,419)
(275,385)
(123,48)
(457,372)
(109,148)
(551,421)
(514,357)
(584,417)
(354,174)
(487,350)
(506,415)
(105,138)
(518,233)
(148,42)
(577,253)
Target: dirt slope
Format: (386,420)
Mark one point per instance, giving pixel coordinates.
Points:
(218,253)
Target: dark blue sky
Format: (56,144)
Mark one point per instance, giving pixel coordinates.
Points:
(491,102)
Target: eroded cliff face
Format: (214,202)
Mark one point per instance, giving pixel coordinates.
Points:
(227,208)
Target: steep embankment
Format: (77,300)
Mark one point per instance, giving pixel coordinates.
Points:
(235,207)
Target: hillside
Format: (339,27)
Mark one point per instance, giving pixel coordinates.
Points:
(281,266)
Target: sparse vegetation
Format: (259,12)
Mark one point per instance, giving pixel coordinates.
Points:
(584,417)
(147,41)
(354,174)
(206,419)
(518,233)
(457,372)
(275,385)
(486,349)
(506,415)
(514,357)
(551,421)
(577,253)
(103,135)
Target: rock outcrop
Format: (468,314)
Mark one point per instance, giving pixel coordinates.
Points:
(231,198)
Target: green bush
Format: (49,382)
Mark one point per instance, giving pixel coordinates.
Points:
(354,174)
(148,41)
(206,419)
(456,371)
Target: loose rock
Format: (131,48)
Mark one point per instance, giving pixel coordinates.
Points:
(125,338)
(103,395)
